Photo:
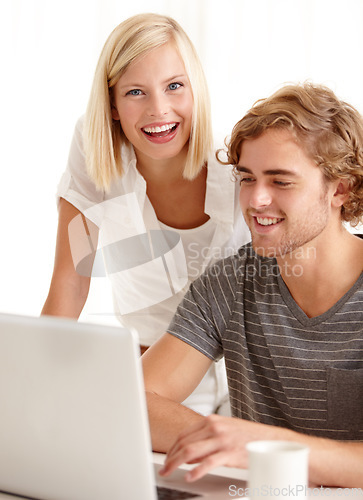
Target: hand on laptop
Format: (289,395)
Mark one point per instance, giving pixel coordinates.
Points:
(218,441)
(221,441)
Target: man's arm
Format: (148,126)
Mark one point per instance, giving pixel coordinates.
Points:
(172,370)
(217,441)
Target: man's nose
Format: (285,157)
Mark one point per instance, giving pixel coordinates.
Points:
(260,196)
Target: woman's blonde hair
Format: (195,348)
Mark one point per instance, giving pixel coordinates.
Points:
(329,130)
(103,136)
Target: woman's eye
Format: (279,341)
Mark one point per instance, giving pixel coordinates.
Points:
(174,86)
(134,92)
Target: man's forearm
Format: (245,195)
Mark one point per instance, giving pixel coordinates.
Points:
(336,463)
(167,419)
(221,441)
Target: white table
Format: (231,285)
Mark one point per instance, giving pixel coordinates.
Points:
(318,493)
(314,493)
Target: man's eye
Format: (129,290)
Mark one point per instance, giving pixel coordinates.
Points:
(174,86)
(246,180)
(282,183)
(134,92)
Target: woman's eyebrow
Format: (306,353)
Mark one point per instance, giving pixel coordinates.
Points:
(132,83)
(175,77)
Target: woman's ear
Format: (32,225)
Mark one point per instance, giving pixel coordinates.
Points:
(114,112)
(341,193)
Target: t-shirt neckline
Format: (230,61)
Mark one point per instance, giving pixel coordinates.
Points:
(301,316)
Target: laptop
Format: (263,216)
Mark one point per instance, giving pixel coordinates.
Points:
(73,418)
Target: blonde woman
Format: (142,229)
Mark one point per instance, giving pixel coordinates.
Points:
(142,179)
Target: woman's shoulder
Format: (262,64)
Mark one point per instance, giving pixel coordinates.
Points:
(218,157)
(219,172)
(128,156)
(79,125)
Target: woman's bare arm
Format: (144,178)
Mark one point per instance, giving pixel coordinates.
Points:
(68,289)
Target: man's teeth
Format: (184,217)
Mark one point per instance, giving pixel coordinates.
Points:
(264,221)
(163,128)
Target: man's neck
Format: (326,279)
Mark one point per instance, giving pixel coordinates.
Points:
(322,271)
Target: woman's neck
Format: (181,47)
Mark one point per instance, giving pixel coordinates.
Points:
(161,171)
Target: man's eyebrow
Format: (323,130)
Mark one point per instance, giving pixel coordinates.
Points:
(272,171)
(239,168)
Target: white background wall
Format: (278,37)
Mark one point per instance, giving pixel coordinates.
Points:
(49,50)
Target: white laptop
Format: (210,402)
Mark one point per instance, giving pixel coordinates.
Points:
(73,419)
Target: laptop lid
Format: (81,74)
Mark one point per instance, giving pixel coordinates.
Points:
(73,418)
(73,414)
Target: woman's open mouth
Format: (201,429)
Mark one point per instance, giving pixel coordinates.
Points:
(161,131)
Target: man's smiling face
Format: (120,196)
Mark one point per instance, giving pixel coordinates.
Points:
(284,198)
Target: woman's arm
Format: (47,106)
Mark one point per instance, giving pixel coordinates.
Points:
(68,289)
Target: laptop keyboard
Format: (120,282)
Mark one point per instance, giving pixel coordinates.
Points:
(169,494)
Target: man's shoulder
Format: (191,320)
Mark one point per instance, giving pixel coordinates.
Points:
(238,258)
(243,265)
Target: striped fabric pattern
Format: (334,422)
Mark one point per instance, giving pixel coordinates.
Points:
(283,368)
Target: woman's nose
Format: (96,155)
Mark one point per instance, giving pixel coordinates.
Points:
(158,105)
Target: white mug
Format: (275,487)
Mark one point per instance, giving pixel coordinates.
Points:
(278,470)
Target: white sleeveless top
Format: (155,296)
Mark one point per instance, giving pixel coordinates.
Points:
(195,243)
(151,265)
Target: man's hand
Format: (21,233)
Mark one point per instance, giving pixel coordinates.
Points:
(217,441)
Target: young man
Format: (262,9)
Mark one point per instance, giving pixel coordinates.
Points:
(286,312)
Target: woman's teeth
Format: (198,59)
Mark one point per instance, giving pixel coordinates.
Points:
(157,130)
(264,221)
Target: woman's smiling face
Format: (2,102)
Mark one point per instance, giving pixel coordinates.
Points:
(153,101)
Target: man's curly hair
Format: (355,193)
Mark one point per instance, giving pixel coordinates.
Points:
(329,130)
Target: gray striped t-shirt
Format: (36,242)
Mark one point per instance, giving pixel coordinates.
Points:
(283,368)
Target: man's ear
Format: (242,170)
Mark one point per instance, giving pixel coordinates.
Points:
(341,193)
